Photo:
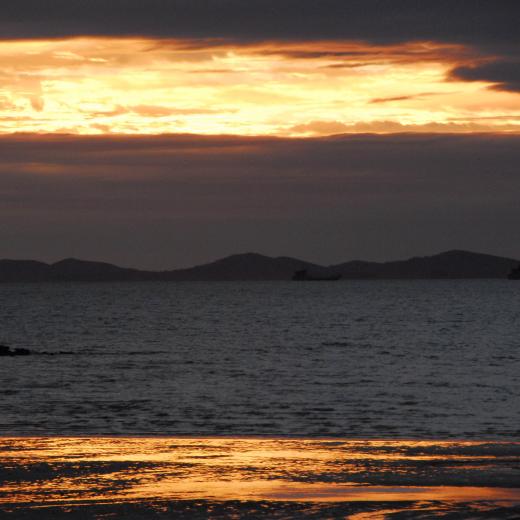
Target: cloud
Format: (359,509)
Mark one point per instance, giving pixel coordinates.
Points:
(7,105)
(37,103)
(401,31)
(148,111)
(316,128)
(504,74)
(390,99)
(475,22)
(350,54)
(162,111)
(146,86)
(161,201)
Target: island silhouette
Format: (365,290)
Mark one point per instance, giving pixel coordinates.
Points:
(253,266)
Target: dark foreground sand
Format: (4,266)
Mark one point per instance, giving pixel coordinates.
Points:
(187,510)
(191,478)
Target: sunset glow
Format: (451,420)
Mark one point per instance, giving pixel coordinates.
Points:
(174,174)
(93,85)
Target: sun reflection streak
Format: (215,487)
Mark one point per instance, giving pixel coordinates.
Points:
(53,470)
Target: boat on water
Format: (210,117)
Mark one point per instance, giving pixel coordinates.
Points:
(514,274)
(304,276)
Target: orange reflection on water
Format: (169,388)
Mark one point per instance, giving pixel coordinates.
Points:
(56,470)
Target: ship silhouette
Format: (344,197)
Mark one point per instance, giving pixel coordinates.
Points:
(303,275)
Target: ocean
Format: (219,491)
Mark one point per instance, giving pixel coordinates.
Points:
(353,359)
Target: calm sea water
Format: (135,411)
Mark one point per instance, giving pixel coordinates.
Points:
(414,359)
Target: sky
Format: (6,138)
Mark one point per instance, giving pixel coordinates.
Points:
(166,133)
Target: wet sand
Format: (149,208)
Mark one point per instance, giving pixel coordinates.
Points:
(219,477)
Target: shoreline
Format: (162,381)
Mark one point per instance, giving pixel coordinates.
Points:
(125,475)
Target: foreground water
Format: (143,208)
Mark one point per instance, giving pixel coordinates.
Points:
(408,359)
(53,478)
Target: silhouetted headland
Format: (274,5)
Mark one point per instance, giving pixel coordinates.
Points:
(252,266)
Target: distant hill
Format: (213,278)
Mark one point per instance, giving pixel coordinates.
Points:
(247,266)
(253,266)
(450,264)
(69,269)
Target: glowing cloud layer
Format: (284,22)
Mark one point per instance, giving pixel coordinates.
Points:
(147,86)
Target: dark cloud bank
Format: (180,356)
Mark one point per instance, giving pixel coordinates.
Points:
(505,74)
(488,27)
(491,22)
(169,201)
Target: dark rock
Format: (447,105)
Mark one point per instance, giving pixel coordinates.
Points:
(7,351)
(22,352)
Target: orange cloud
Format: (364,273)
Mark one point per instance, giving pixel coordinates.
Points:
(145,86)
(318,128)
